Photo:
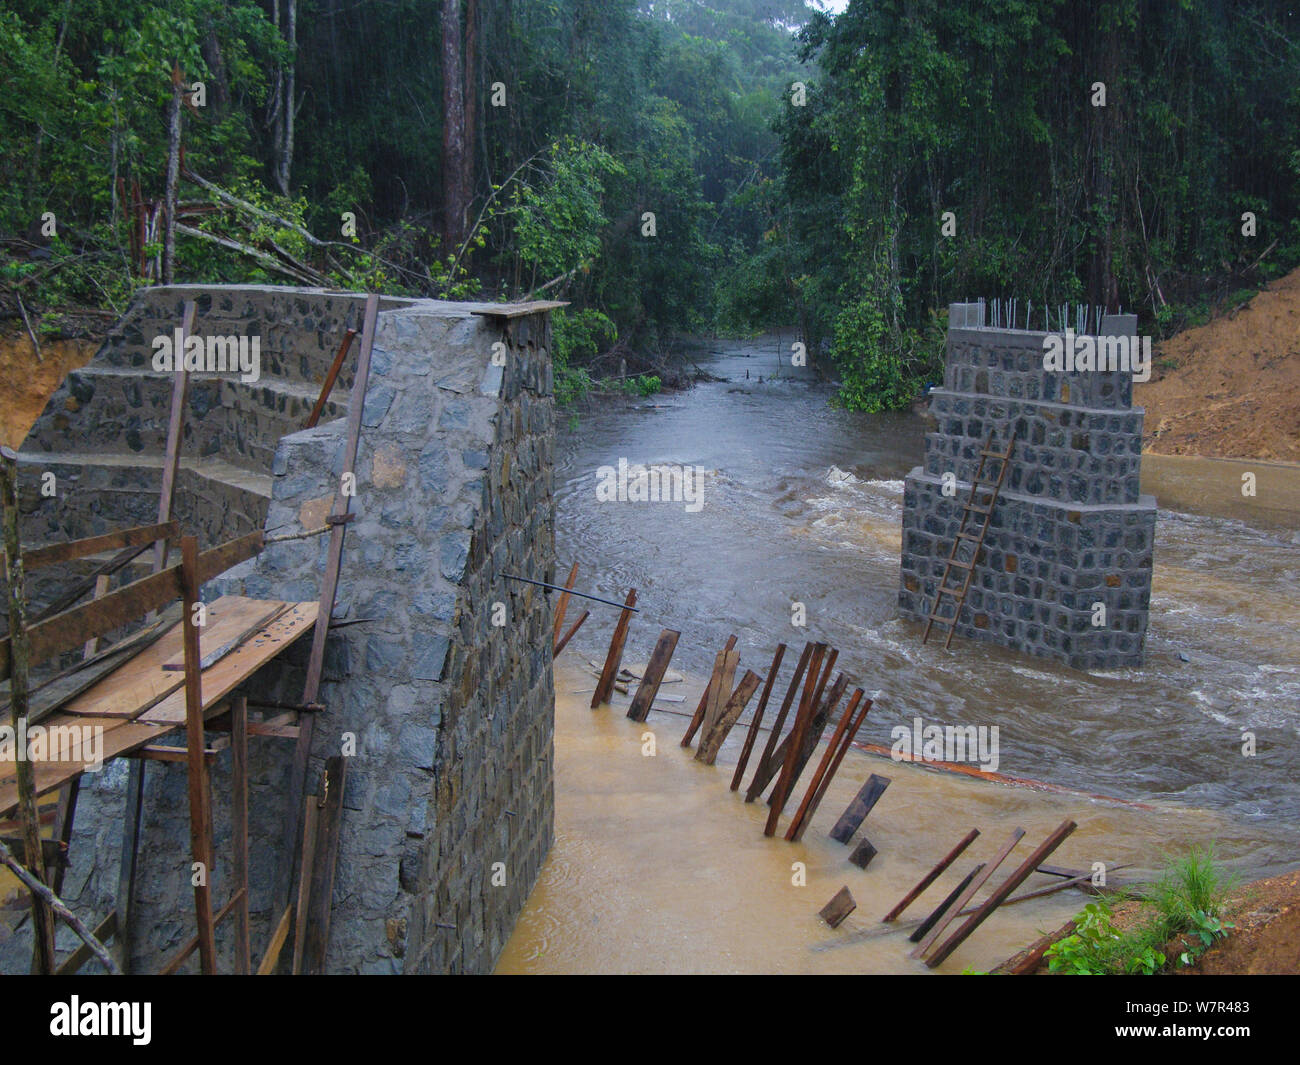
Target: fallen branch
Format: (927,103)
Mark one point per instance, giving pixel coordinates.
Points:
(59,907)
(265,258)
(30,332)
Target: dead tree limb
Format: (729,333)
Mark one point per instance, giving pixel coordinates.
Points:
(60,907)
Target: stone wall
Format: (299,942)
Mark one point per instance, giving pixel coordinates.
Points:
(1070,529)
(440,685)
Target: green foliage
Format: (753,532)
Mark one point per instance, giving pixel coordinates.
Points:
(577,336)
(1184,905)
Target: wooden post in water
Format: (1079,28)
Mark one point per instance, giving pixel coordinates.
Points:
(754,725)
(615,657)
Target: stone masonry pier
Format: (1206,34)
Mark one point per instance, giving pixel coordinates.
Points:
(447,717)
(1070,532)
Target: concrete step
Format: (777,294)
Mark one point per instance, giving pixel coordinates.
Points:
(111,407)
(94,493)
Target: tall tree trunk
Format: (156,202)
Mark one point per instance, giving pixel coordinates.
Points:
(454,198)
(173,178)
(471,99)
(282,98)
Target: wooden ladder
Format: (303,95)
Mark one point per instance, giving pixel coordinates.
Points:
(985,512)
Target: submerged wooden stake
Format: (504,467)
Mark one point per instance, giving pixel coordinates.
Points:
(845,744)
(863,802)
(562,606)
(968,893)
(767,763)
(697,719)
(1005,889)
(798,736)
(843,904)
(615,657)
(654,675)
(832,755)
(932,875)
(564,640)
(752,735)
(735,706)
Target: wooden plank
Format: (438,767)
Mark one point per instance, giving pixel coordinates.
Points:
(328,590)
(735,706)
(239,829)
(719,693)
(768,762)
(654,675)
(843,904)
(140,683)
(200,799)
(697,719)
(564,640)
(757,720)
(50,775)
(1005,889)
(802,725)
(216,645)
(75,626)
(932,875)
(175,432)
(515,310)
(863,853)
(795,831)
(820,719)
(97,581)
(562,605)
(856,812)
(923,929)
(238,666)
(70,551)
(56,554)
(272,955)
(854,726)
(310,829)
(328,833)
(1028,960)
(192,944)
(967,894)
(615,656)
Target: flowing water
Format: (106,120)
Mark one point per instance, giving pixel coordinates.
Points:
(802,505)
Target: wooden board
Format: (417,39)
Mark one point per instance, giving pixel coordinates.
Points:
(719,692)
(654,675)
(239,665)
(768,762)
(967,894)
(697,719)
(219,639)
(731,711)
(863,853)
(757,720)
(92,545)
(1043,851)
(122,735)
(605,686)
(515,310)
(324,860)
(866,798)
(843,904)
(144,681)
(932,875)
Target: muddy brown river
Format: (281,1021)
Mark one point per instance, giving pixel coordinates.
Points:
(658,867)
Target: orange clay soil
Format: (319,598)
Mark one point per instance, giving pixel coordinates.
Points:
(1230,389)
